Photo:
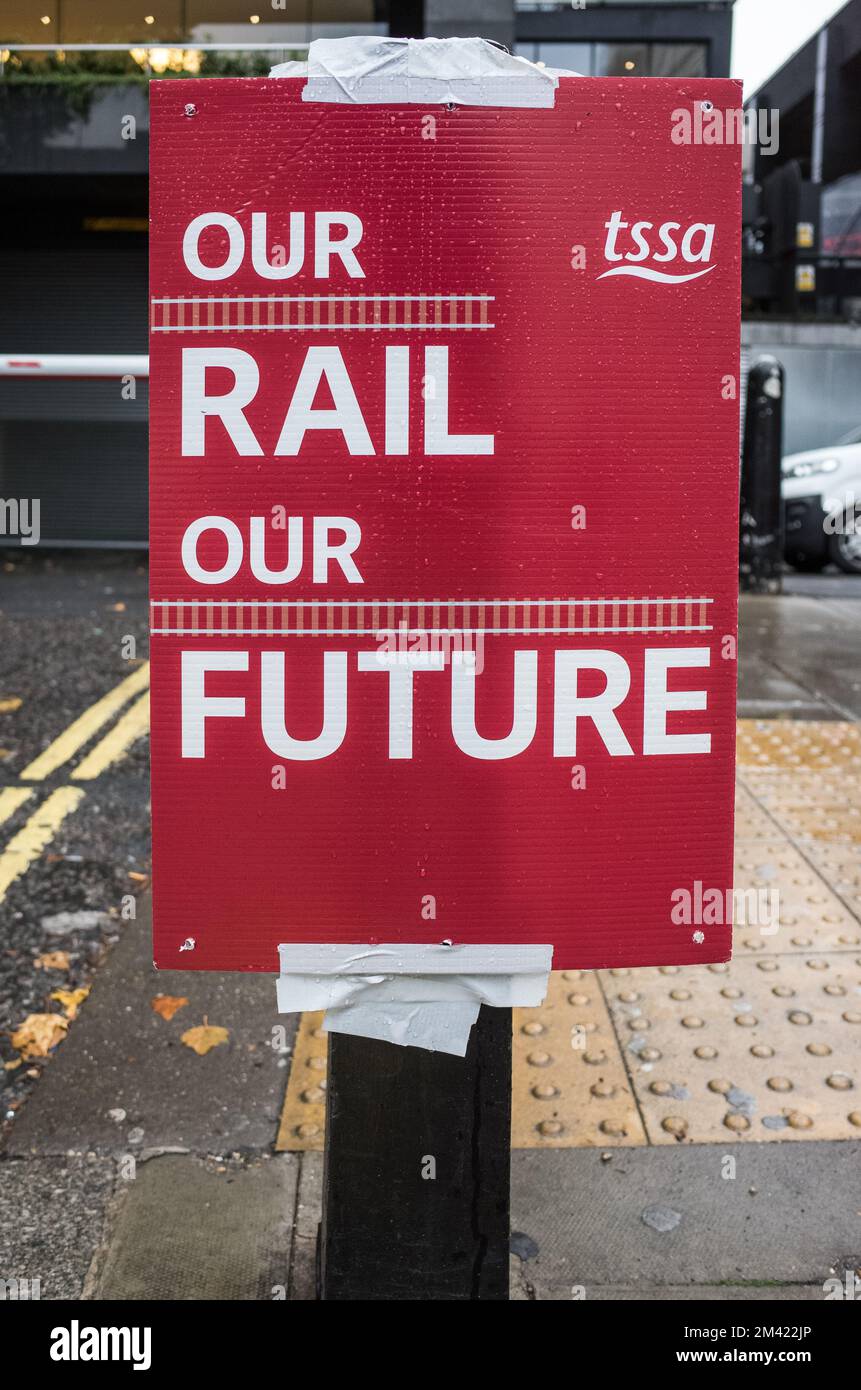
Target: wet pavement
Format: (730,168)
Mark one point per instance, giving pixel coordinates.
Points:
(800,655)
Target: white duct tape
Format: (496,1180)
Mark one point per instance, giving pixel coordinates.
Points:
(375,71)
(435,1027)
(411,995)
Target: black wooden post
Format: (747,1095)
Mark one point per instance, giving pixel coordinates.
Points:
(760,560)
(417,1167)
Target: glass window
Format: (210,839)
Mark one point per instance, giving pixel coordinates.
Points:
(22,21)
(575,57)
(841,217)
(255,21)
(160,21)
(678,60)
(621,60)
(120,21)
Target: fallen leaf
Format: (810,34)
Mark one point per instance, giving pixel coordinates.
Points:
(5,753)
(118,608)
(138,878)
(10,1066)
(204,1037)
(168,1004)
(52,960)
(71,999)
(38,1034)
(8,703)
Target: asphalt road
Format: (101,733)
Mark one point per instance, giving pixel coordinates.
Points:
(63,621)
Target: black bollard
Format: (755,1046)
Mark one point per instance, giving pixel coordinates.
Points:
(760,561)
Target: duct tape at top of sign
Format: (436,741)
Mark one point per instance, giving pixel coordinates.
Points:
(373,71)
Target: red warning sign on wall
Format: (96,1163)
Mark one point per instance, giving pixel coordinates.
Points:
(444,492)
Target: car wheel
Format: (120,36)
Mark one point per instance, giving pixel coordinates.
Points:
(844,546)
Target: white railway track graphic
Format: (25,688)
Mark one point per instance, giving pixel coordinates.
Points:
(298,313)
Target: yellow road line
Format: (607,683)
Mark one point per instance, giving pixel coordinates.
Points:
(10,799)
(133,725)
(35,834)
(83,728)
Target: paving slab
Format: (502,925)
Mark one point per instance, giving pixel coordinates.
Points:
(309,1203)
(122,1057)
(191,1229)
(766,693)
(660,1219)
(798,650)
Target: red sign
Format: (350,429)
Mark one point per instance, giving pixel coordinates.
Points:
(444,523)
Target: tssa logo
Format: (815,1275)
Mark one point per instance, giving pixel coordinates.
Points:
(695,245)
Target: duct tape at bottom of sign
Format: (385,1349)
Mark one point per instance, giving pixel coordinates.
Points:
(415,996)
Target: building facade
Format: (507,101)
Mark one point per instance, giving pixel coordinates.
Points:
(74,137)
(802,207)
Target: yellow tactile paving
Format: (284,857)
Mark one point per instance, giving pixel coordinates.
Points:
(303,1117)
(811,916)
(569,1081)
(765,1048)
(842,869)
(783,743)
(836,825)
(774,788)
(751,821)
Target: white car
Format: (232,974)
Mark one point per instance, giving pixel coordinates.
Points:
(821,491)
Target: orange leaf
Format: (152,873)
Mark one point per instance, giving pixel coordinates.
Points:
(8,703)
(52,960)
(38,1034)
(168,1004)
(204,1037)
(71,999)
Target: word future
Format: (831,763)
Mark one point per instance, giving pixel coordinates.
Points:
(200,707)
